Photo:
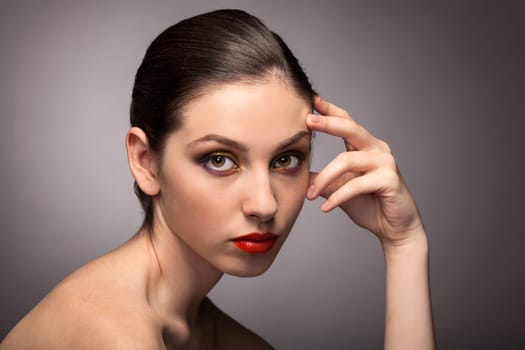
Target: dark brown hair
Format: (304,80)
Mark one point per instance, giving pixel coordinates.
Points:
(186,59)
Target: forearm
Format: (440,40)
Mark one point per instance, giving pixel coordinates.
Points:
(408,312)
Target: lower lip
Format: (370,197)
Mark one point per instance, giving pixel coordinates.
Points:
(255,246)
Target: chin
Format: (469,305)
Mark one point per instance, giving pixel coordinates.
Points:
(251,267)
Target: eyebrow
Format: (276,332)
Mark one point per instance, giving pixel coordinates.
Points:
(243,148)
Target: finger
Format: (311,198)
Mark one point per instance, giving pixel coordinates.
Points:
(360,138)
(310,192)
(379,182)
(311,188)
(313,176)
(354,135)
(325,191)
(329,188)
(345,167)
(327,108)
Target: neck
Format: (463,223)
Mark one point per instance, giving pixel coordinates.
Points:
(179,279)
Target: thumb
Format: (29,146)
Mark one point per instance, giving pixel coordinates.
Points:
(313,176)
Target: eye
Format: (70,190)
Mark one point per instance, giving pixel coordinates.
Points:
(288,163)
(219,164)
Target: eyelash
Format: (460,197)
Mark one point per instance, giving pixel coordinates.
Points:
(299,158)
(226,157)
(294,157)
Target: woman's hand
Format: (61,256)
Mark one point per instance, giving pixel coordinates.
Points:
(364,180)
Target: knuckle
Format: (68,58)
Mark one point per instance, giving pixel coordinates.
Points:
(384,146)
(356,187)
(355,126)
(343,156)
(388,160)
(352,128)
(391,178)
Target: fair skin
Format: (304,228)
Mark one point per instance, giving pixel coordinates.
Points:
(365,183)
(235,166)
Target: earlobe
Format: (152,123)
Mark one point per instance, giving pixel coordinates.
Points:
(142,161)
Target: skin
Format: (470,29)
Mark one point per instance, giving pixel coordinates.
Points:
(365,183)
(228,171)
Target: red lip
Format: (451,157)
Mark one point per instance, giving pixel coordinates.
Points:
(256,243)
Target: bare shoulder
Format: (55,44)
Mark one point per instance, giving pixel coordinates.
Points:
(230,334)
(88,310)
(58,328)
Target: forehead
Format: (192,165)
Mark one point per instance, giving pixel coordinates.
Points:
(248,113)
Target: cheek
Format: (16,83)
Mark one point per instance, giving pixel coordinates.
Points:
(193,198)
(193,212)
(292,194)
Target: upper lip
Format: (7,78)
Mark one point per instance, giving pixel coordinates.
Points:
(256,236)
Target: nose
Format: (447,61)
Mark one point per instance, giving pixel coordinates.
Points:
(260,202)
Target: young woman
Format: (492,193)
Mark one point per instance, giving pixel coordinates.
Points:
(219,148)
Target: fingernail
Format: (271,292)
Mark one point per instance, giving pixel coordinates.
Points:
(311,191)
(315,118)
(325,206)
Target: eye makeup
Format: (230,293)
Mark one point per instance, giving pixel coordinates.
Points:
(219,163)
(223,159)
(289,162)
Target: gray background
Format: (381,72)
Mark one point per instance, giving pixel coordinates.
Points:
(442,82)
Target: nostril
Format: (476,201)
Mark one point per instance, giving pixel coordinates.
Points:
(262,213)
(264,217)
(259,200)
(260,205)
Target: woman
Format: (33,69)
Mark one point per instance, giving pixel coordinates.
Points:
(219,148)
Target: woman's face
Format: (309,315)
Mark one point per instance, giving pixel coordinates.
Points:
(234,176)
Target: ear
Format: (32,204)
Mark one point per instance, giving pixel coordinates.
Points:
(142,161)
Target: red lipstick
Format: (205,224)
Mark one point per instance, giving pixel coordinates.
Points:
(256,243)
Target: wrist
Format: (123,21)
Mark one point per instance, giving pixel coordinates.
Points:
(414,245)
